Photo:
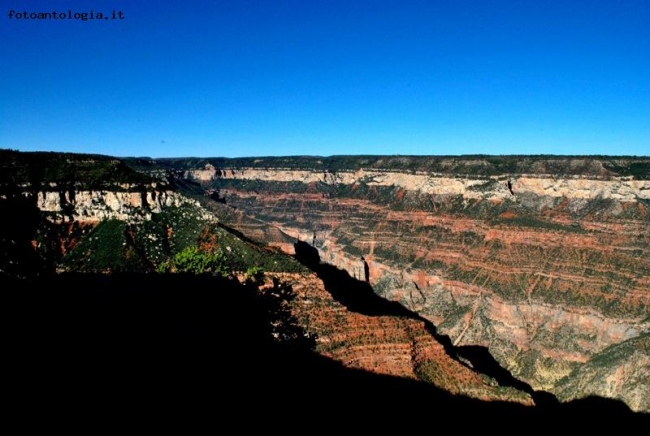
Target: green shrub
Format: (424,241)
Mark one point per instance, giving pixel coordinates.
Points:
(192,260)
(254,274)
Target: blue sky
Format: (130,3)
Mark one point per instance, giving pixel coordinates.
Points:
(314,77)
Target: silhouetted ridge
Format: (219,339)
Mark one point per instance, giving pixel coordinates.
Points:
(182,342)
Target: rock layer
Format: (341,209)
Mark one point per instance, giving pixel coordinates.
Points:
(128,203)
(385,343)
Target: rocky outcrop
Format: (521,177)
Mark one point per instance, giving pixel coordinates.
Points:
(126,203)
(69,187)
(131,203)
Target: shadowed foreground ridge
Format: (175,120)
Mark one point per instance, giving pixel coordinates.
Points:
(182,342)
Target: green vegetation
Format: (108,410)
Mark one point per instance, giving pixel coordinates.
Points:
(180,227)
(192,260)
(178,239)
(254,274)
(81,171)
(106,248)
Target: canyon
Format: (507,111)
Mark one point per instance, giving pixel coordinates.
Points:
(544,261)
(515,280)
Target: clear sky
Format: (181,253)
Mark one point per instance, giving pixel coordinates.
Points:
(323,77)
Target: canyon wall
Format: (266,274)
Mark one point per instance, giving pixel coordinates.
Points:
(550,270)
(126,202)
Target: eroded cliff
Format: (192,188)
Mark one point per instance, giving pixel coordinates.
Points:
(544,261)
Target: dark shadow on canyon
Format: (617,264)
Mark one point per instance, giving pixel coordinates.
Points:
(359,296)
(93,345)
(356,295)
(481,360)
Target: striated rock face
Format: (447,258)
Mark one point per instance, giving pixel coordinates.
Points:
(386,343)
(128,203)
(549,268)
(622,189)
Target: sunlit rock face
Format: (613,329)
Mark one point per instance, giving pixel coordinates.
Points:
(544,261)
(130,203)
(386,343)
